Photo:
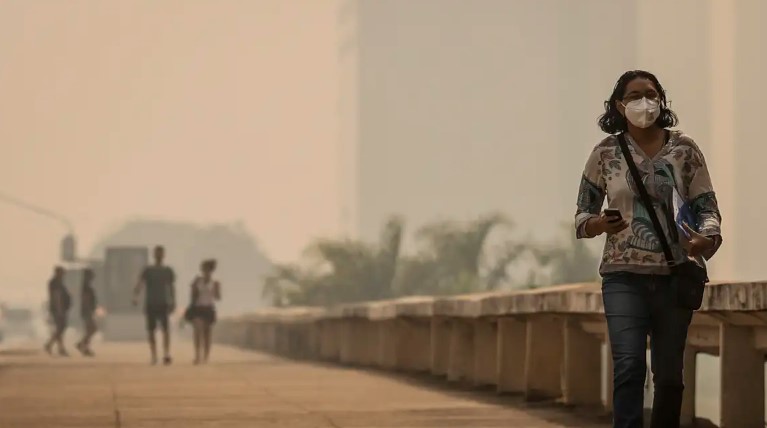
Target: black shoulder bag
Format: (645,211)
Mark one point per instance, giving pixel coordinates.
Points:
(688,278)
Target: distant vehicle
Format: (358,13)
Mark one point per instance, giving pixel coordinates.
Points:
(16,321)
(115,280)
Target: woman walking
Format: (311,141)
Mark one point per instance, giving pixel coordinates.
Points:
(662,222)
(201,313)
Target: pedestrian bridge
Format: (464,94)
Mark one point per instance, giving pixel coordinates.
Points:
(242,389)
(414,362)
(547,344)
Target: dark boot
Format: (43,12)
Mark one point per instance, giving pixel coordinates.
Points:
(667,406)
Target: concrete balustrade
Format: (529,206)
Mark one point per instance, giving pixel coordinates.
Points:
(544,344)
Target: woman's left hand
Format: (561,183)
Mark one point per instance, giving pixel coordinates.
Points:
(696,244)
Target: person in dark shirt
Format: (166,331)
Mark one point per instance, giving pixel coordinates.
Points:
(87,312)
(157,282)
(59,302)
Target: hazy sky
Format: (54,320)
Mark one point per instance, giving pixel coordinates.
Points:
(208,110)
(178,109)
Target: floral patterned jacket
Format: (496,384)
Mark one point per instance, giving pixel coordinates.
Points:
(681,165)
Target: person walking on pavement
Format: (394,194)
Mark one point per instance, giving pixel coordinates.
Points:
(662,223)
(202,310)
(59,302)
(157,282)
(88,305)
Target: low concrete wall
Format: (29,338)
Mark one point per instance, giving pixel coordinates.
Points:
(545,344)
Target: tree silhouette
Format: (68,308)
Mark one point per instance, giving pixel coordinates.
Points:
(339,271)
(451,258)
(568,261)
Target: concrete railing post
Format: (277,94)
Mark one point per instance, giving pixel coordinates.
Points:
(582,365)
(512,350)
(299,344)
(329,342)
(485,352)
(543,363)
(460,364)
(742,383)
(345,341)
(314,340)
(325,340)
(440,345)
(414,344)
(688,400)
(263,338)
(370,342)
(357,338)
(253,334)
(249,339)
(388,344)
(257,339)
(281,338)
(272,339)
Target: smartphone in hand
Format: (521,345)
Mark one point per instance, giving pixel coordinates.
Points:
(612,212)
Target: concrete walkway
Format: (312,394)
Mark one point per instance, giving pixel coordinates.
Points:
(242,390)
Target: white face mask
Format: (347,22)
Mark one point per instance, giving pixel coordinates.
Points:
(642,113)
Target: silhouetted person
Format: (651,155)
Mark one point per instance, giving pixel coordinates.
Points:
(88,313)
(59,302)
(159,302)
(202,311)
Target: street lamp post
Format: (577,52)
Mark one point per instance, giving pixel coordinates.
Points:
(68,243)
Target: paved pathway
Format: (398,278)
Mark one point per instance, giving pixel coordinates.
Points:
(242,390)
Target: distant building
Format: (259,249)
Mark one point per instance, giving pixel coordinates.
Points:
(452,108)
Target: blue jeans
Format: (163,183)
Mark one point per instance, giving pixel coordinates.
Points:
(636,306)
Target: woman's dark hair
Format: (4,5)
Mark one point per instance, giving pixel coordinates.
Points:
(613,122)
(209,264)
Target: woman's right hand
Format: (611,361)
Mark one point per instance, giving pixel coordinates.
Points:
(605,224)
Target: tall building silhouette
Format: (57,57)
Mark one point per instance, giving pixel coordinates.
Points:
(451,108)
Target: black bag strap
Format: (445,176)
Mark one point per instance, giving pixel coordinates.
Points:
(646,201)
